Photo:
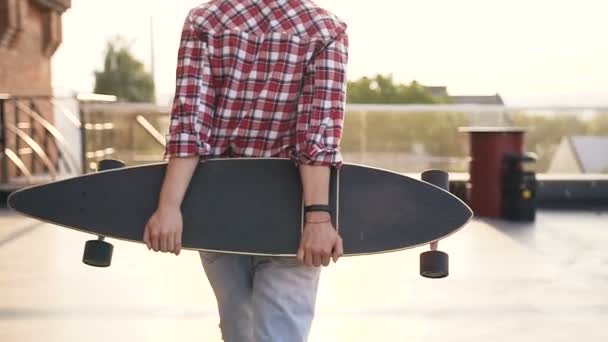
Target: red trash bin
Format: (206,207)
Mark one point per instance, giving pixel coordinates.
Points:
(489,145)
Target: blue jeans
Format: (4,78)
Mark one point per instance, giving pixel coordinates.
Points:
(262,298)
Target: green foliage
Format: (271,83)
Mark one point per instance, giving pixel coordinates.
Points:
(598,125)
(382,89)
(123,75)
(436,132)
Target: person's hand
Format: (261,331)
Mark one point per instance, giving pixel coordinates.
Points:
(163,231)
(320,241)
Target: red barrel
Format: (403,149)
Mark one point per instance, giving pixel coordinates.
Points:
(489,145)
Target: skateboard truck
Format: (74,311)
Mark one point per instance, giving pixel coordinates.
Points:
(110,164)
(435,264)
(98,252)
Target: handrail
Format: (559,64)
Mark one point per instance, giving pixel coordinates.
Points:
(470,108)
(127,108)
(67,113)
(151,130)
(18,163)
(92,97)
(35,147)
(5,96)
(54,132)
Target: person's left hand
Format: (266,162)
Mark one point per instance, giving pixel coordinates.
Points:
(163,232)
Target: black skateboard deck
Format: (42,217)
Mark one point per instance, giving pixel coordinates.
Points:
(252,206)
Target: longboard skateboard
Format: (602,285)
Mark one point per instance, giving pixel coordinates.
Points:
(253,206)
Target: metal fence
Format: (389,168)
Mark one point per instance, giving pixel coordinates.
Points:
(403,138)
(31,147)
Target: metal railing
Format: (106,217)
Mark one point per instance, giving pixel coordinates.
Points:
(30,144)
(60,140)
(143,122)
(126,131)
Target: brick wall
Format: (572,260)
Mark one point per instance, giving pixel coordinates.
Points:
(30,33)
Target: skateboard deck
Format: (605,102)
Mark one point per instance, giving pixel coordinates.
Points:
(251,206)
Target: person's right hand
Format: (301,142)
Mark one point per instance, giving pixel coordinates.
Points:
(320,242)
(163,232)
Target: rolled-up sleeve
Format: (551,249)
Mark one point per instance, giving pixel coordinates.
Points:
(193,104)
(319,129)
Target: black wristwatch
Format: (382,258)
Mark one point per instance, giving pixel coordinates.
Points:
(317,207)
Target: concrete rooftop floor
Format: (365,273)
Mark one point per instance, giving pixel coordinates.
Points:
(546,281)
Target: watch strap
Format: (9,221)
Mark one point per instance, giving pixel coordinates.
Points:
(317,207)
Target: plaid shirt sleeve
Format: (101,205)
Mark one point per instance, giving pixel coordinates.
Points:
(193,105)
(319,141)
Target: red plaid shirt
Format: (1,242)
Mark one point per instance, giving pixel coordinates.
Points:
(260,79)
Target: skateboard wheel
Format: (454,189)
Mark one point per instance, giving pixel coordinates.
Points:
(97,253)
(109,164)
(438,178)
(434,264)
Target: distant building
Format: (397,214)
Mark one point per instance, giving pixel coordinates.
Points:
(581,154)
(478,99)
(442,91)
(439,91)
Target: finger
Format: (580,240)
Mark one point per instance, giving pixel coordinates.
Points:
(171,243)
(178,243)
(434,245)
(163,242)
(147,237)
(308,257)
(338,250)
(316,258)
(300,254)
(154,237)
(325,259)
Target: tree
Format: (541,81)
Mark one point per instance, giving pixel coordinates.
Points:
(382,89)
(123,75)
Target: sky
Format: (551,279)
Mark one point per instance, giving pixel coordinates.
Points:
(532,52)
